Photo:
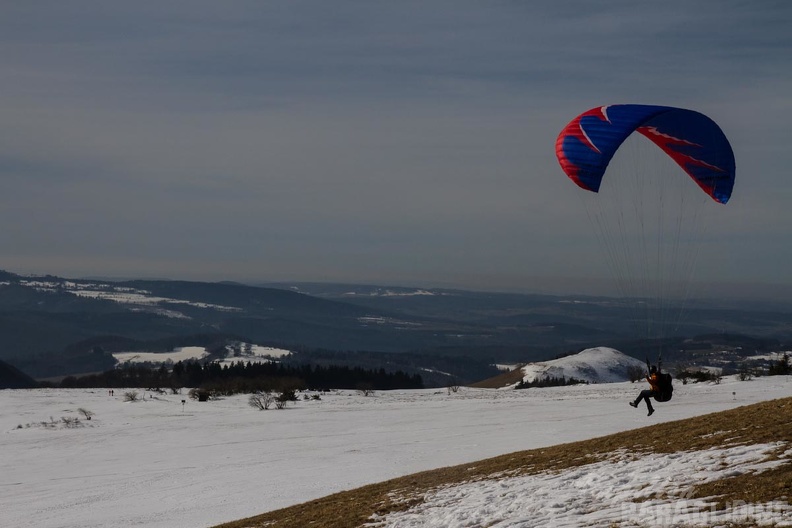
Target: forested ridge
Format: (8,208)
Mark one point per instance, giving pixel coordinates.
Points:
(246,377)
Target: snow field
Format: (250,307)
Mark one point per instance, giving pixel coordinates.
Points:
(258,354)
(161,463)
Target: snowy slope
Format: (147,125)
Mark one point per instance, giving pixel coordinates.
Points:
(595,365)
(161,464)
(625,490)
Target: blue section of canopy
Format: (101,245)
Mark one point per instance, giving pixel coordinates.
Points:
(695,142)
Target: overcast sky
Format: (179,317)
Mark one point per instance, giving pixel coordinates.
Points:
(388,142)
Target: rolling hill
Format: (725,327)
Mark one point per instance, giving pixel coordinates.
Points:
(13,378)
(53,326)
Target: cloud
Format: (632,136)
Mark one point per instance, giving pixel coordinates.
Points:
(356,140)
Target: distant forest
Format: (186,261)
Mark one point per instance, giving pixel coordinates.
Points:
(240,377)
(549,381)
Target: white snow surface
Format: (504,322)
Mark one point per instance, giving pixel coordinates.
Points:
(122,295)
(161,463)
(379,292)
(256,354)
(180,354)
(595,365)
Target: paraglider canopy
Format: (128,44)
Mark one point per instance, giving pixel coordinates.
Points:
(695,142)
(644,201)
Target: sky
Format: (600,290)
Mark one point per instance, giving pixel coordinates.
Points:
(401,142)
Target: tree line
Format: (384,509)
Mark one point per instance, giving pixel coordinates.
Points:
(241,377)
(549,381)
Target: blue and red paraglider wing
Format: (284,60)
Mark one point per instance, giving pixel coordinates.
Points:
(695,142)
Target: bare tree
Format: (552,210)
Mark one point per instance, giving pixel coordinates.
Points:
(131,396)
(261,400)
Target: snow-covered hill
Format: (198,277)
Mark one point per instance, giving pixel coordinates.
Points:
(595,365)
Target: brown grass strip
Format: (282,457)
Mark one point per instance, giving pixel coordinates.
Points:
(502,380)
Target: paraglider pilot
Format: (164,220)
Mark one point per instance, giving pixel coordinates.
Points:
(653,392)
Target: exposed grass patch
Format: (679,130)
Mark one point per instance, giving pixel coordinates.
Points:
(760,423)
(502,380)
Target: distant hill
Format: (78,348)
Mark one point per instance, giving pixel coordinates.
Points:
(52,326)
(593,365)
(13,378)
